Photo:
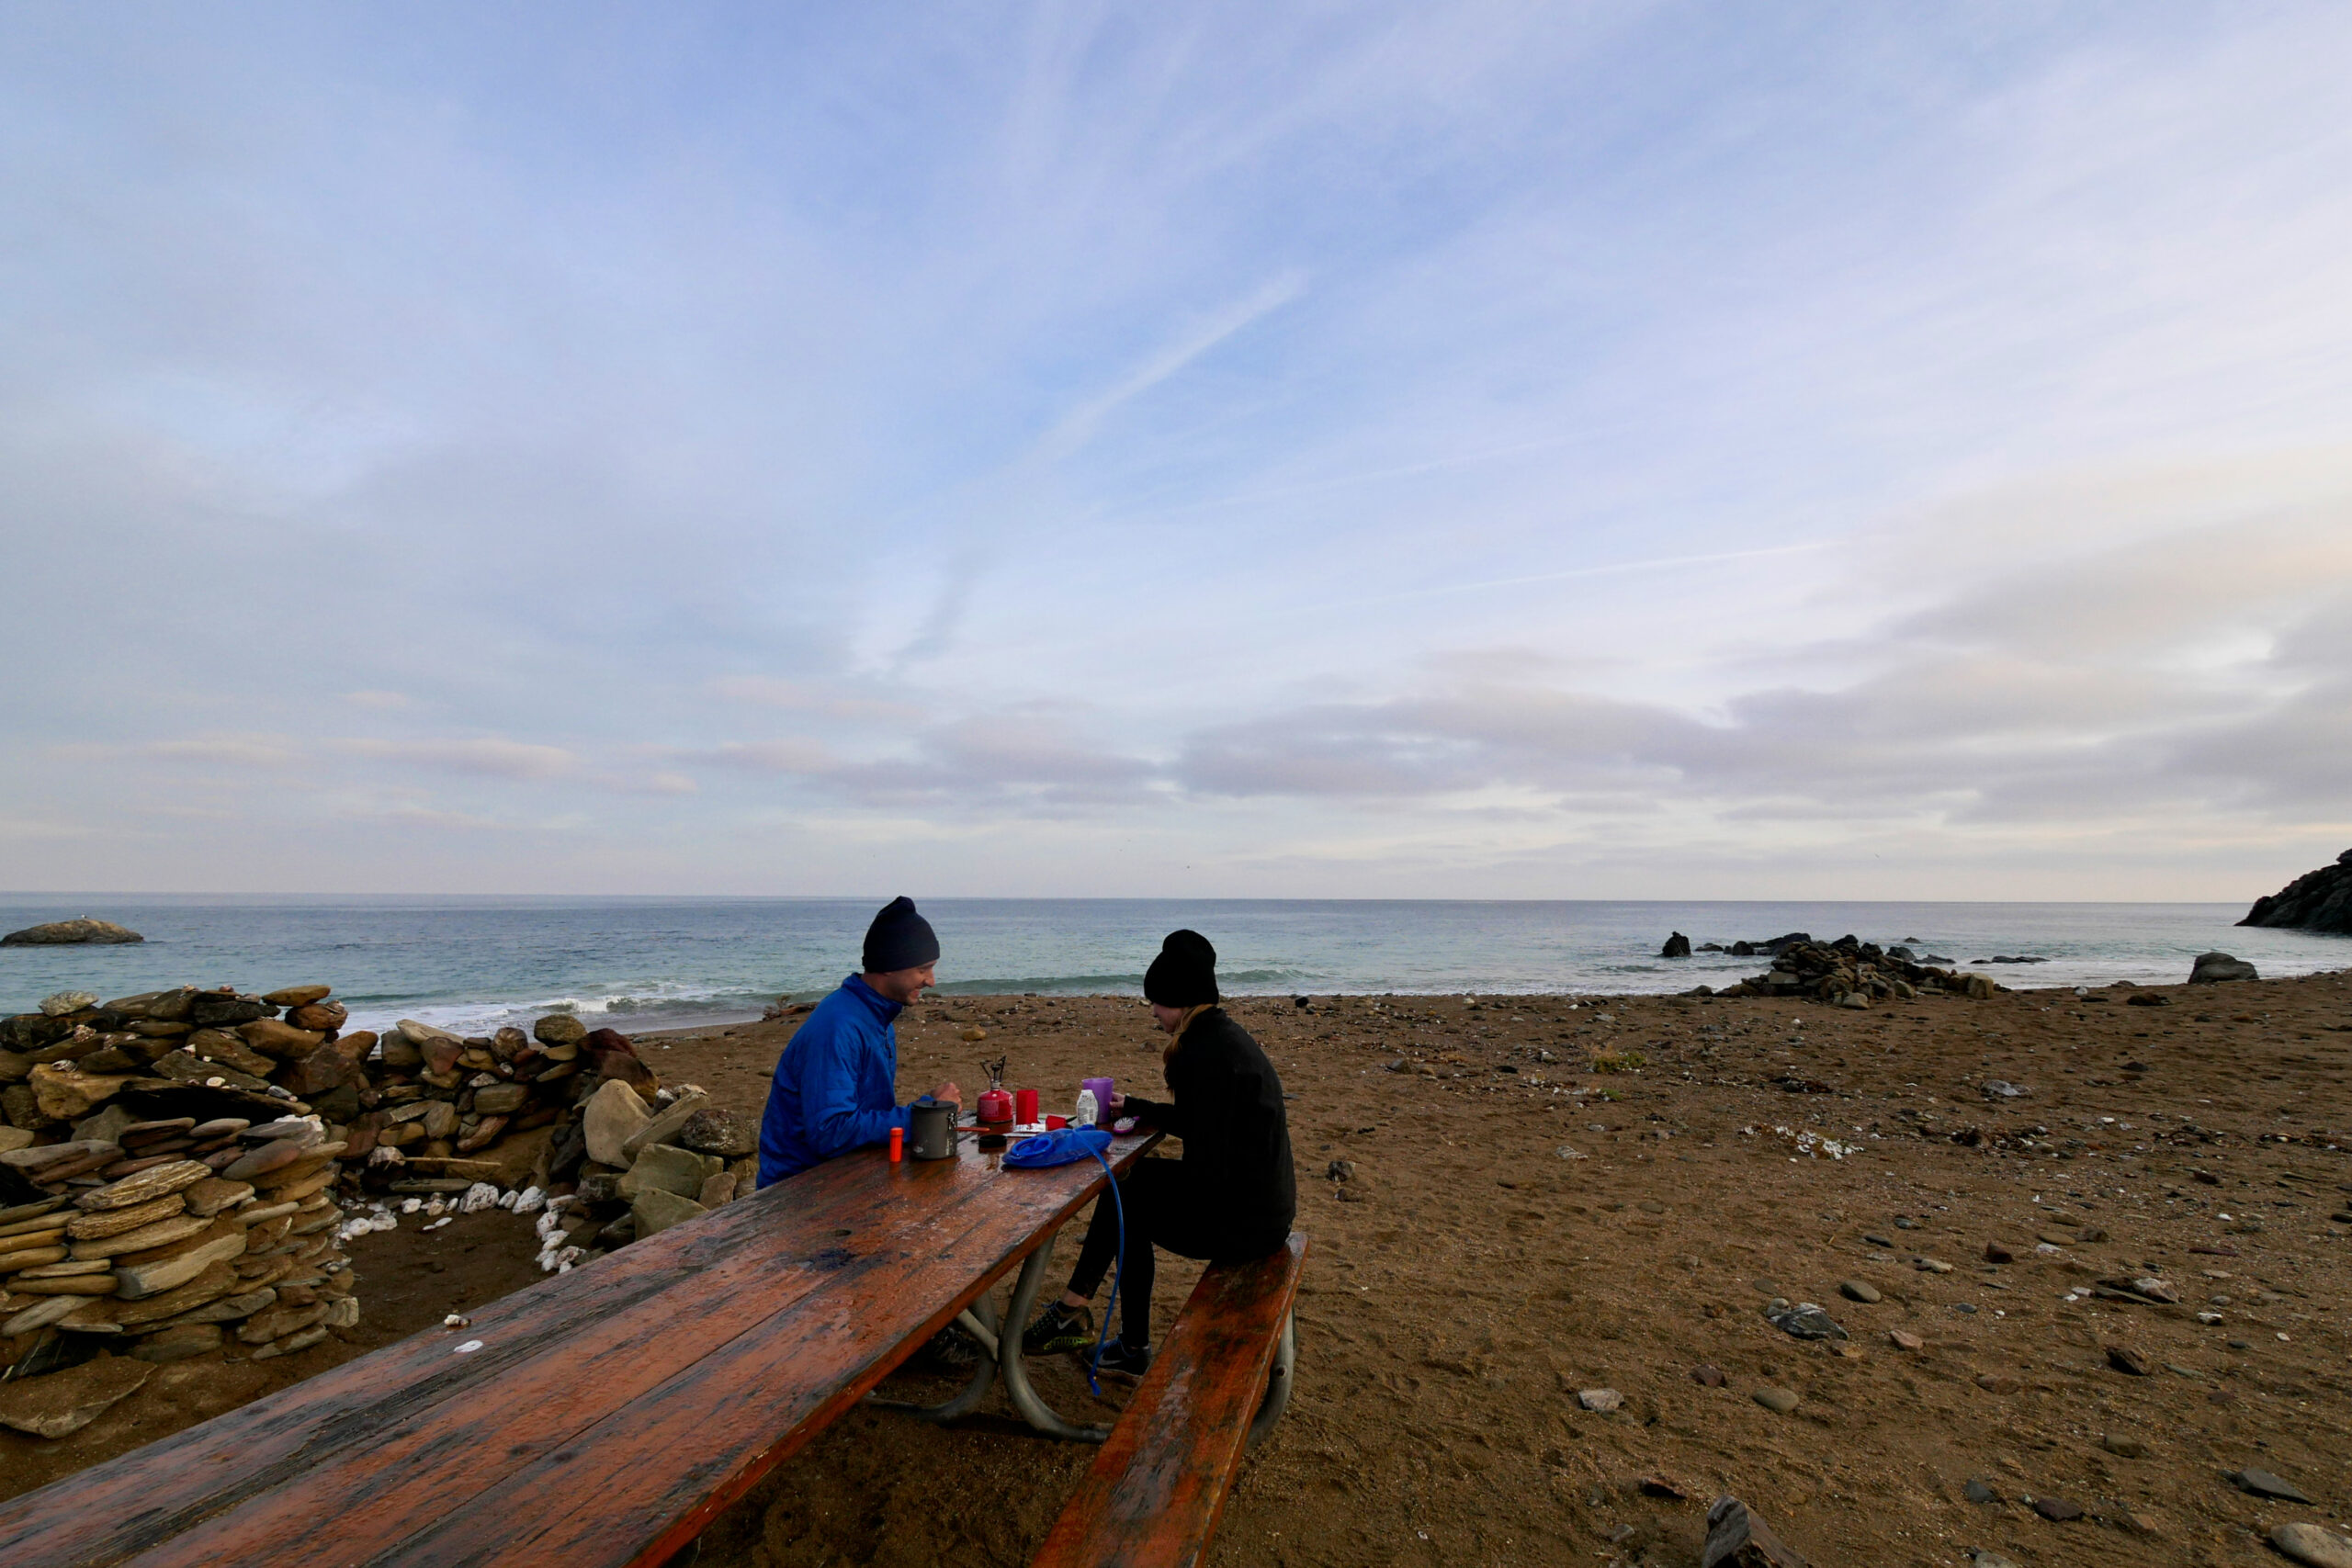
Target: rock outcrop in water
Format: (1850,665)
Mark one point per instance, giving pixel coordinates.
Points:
(2317,901)
(85,931)
(1852,972)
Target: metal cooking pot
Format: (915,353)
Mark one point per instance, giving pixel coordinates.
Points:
(932,1132)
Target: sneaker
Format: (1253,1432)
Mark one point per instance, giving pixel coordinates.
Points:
(1060,1328)
(952,1350)
(1123,1360)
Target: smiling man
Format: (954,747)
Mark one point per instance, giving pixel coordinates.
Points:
(835,1086)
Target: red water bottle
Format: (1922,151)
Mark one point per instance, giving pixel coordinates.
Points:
(898,1145)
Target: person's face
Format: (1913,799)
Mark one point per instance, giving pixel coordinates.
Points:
(903,986)
(1167,1017)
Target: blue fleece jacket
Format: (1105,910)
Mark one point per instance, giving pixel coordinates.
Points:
(835,1085)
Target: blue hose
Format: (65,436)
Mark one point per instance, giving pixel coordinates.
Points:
(1119,1269)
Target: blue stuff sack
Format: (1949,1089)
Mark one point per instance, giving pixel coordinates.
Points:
(1063,1145)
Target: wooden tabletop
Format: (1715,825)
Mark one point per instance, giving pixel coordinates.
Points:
(610,1413)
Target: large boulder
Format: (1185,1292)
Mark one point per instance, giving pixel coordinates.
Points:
(62,933)
(2317,901)
(1677,947)
(2211,968)
(613,1113)
(715,1129)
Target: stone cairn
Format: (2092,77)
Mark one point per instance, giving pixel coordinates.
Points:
(1848,972)
(179,1171)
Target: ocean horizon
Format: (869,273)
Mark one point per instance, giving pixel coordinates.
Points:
(475,961)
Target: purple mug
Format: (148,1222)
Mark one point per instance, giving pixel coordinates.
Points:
(1101,1088)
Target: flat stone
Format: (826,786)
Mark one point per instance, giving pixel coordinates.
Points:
(613,1113)
(1996,1382)
(229,1050)
(2262,1484)
(292,1343)
(659,1130)
(1804,1321)
(15,1138)
(279,1322)
(274,1155)
(68,1094)
(1602,1399)
(1707,1375)
(145,1186)
(2123,1446)
(2313,1545)
(66,1401)
(1737,1538)
(115,1222)
(2058,1510)
(139,1279)
(179,1344)
(2129,1362)
(670,1169)
(216,1282)
(502,1098)
(227,1309)
(161,1233)
(657,1209)
(1859,1291)
(1977,1492)
(297,996)
(1780,1401)
(213,1194)
(717,1192)
(1991,1560)
(40,1315)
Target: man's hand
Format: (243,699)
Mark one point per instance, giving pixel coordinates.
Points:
(1118,1100)
(948,1091)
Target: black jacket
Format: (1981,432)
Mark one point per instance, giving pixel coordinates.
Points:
(1229,1110)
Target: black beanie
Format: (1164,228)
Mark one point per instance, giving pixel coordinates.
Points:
(1184,975)
(900,938)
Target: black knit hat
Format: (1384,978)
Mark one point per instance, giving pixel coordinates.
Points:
(900,938)
(1184,975)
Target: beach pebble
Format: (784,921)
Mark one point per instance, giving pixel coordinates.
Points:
(1991,1560)
(2313,1545)
(2123,1446)
(2262,1484)
(1859,1291)
(1977,1492)
(1996,1253)
(1804,1321)
(1602,1399)
(1905,1341)
(2058,1510)
(2127,1361)
(1707,1375)
(1877,1240)
(1780,1401)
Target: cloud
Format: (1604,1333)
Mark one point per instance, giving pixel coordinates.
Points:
(384,702)
(487,756)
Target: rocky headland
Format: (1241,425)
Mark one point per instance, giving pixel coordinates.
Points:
(84,933)
(2317,901)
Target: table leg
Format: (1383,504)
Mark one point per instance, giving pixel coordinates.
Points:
(984,1328)
(1017,1387)
(1278,1382)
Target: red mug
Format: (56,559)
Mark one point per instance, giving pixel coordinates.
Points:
(1055,1123)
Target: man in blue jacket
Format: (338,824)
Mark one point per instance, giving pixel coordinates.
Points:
(835,1086)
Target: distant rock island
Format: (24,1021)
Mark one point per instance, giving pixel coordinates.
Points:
(67,933)
(2317,901)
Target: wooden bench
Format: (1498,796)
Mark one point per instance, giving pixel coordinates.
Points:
(598,1419)
(1154,1494)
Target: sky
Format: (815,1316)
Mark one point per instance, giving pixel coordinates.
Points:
(1266,449)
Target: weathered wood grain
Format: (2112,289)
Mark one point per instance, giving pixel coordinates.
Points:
(1154,1494)
(610,1413)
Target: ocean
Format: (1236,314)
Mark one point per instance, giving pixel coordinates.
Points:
(471,963)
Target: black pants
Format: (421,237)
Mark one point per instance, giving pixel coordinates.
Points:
(1160,1213)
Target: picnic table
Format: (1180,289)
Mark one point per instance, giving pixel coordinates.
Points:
(608,1414)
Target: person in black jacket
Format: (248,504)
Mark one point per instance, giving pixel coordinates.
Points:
(1233,1195)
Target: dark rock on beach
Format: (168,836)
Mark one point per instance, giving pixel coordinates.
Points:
(1677,947)
(2317,901)
(85,931)
(2212,968)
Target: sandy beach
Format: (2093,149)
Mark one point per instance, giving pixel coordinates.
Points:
(1499,1228)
